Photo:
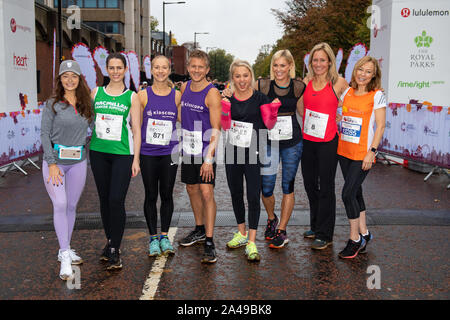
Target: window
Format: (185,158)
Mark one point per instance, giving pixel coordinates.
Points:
(90,3)
(112,3)
(107,27)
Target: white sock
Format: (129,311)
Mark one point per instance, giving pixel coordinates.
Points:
(359,239)
(367,233)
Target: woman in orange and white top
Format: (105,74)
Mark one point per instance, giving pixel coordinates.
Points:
(363,105)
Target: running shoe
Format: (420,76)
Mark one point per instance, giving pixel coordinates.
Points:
(166,246)
(238,241)
(270,232)
(154,249)
(252,252)
(209,256)
(320,244)
(367,238)
(75,258)
(280,240)
(193,237)
(352,248)
(114,261)
(105,253)
(309,234)
(65,273)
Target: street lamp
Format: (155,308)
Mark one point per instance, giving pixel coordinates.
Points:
(195,38)
(164,22)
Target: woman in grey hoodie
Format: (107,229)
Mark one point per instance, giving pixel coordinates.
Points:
(65,120)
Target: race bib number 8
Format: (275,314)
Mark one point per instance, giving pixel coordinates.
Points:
(108,126)
(159,132)
(315,123)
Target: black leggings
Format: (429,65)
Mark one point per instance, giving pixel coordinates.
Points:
(319,163)
(112,174)
(158,171)
(235,177)
(352,195)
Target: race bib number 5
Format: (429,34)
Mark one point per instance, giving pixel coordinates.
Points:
(108,126)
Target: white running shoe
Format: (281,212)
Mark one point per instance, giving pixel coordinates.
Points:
(75,258)
(65,272)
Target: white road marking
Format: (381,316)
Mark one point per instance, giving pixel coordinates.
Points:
(151,284)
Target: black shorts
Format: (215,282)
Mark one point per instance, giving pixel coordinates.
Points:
(190,171)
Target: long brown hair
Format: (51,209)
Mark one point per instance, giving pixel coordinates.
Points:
(375,82)
(83,95)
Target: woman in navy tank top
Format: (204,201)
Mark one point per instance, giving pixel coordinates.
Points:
(159,152)
(318,107)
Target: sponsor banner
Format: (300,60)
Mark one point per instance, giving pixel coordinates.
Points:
(20,120)
(148,67)
(100,54)
(411,44)
(20,134)
(82,55)
(339,57)
(419,132)
(134,68)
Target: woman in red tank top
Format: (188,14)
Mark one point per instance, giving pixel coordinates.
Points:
(318,107)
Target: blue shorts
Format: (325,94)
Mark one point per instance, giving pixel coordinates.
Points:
(290,159)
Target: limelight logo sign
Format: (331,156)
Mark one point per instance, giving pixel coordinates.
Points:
(423,40)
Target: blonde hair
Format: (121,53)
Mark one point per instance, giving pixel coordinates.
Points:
(289,58)
(375,82)
(332,74)
(169,82)
(240,63)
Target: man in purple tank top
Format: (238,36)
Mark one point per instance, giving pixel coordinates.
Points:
(200,123)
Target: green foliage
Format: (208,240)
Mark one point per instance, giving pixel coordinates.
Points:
(220,62)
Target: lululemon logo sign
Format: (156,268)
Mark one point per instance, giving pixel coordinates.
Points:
(405,12)
(13,25)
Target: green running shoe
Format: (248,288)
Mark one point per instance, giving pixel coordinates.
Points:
(154,248)
(238,241)
(252,252)
(166,246)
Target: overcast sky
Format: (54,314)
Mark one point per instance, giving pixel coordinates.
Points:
(240,27)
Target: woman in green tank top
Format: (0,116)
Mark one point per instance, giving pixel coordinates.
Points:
(114,152)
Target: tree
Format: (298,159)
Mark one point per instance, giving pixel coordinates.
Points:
(154,23)
(261,67)
(340,23)
(220,62)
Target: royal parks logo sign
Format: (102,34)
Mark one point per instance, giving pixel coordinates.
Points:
(423,58)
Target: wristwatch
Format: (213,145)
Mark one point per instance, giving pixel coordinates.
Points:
(374,150)
(209,160)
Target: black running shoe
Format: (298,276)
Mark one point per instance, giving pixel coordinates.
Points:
(367,238)
(106,252)
(114,261)
(271,228)
(352,248)
(210,253)
(193,237)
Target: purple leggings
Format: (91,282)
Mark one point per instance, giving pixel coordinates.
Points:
(65,198)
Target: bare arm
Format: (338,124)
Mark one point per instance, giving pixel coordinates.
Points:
(178,103)
(143,99)
(136,115)
(380,120)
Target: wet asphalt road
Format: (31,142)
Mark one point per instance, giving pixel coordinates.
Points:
(410,251)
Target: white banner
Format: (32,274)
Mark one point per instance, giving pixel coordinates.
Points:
(148,67)
(100,54)
(411,43)
(134,68)
(82,55)
(127,74)
(358,51)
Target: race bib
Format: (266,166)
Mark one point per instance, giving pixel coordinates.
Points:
(159,132)
(192,142)
(282,129)
(315,123)
(69,153)
(240,134)
(351,129)
(108,126)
